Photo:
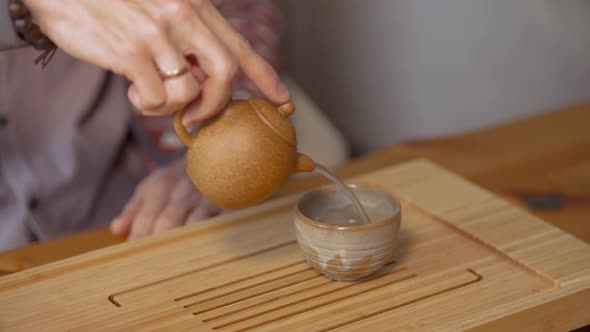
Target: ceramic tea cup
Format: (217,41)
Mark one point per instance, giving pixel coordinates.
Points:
(344,251)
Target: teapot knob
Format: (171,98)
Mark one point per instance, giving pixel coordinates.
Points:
(287,108)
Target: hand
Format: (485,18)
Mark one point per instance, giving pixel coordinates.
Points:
(163,200)
(138,38)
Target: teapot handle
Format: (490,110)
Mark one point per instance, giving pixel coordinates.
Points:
(180,129)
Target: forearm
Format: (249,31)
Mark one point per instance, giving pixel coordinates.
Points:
(8,37)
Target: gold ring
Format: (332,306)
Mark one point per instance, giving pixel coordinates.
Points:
(173,73)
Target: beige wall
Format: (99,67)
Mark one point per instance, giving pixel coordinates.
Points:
(387,70)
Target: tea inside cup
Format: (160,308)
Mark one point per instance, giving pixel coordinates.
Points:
(336,243)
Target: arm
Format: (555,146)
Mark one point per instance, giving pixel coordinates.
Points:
(8,37)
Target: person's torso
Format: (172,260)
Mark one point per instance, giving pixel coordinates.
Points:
(61,130)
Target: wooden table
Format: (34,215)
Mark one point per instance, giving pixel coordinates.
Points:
(541,163)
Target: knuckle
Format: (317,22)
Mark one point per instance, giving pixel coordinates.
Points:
(154,104)
(158,190)
(182,95)
(172,105)
(198,214)
(226,68)
(150,31)
(186,94)
(154,185)
(165,222)
(184,194)
(177,9)
(142,228)
(130,51)
(199,4)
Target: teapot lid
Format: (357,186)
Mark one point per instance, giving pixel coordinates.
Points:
(276,118)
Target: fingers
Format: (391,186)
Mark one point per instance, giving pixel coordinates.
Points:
(151,207)
(174,215)
(220,51)
(162,201)
(147,91)
(182,200)
(161,54)
(261,73)
(215,94)
(205,209)
(122,224)
(217,64)
(181,90)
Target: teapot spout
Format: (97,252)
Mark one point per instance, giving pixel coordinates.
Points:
(304,164)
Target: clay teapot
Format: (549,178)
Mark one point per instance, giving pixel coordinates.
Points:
(245,153)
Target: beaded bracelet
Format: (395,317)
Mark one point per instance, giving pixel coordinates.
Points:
(30,32)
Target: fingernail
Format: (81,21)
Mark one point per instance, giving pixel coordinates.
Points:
(282,90)
(191,119)
(115,223)
(187,122)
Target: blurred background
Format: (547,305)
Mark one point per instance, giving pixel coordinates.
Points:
(386,71)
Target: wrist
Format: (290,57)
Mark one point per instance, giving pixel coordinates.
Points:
(25,27)
(34,6)
(37,10)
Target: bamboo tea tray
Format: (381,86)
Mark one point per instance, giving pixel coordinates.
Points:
(467,259)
